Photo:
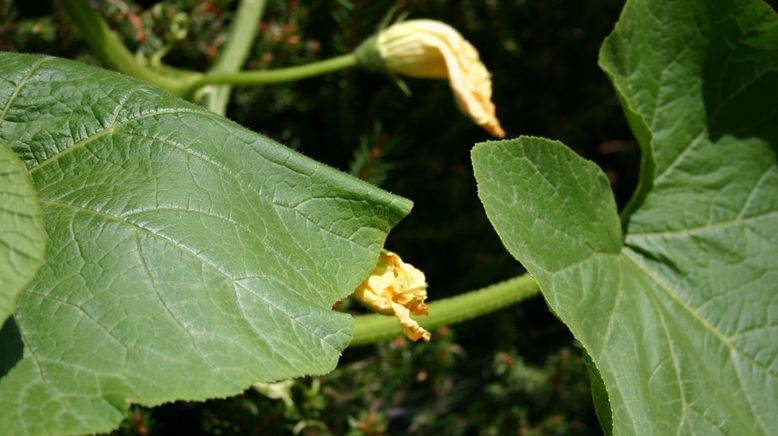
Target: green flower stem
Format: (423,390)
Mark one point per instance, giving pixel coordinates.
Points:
(375,327)
(266,77)
(241,36)
(110,50)
(236,50)
(174,73)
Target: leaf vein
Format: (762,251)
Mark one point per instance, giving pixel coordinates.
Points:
(33,69)
(100,133)
(726,341)
(197,255)
(714,226)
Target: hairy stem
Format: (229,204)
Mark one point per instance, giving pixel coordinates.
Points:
(239,40)
(374,328)
(266,77)
(110,50)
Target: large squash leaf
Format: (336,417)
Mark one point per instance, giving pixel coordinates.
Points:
(188,257)
(681,317)
(22,239)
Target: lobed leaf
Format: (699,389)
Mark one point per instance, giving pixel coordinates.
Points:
(188,257)
(681,318)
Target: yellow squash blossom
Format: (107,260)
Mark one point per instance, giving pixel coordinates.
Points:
(396,288)
(432,49)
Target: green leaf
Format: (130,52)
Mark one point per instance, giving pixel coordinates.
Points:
(22,239)
(681,318)
(188,257)
(690,73)
(602,405)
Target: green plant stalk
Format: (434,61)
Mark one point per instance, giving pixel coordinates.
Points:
(174,72)
(239,40)
(373,328)
(110,50)
(281,75)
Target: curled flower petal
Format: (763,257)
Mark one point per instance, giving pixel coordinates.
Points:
(396,288)
(411,329)
(432,49)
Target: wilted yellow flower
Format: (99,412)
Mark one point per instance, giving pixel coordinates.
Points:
(432,49)
(396,288)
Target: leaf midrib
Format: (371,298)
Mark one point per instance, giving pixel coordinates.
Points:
(192,252)
(26,78)
(103,132)
(725,340)
(714,226)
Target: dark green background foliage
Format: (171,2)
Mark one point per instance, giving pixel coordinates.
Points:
(516,370)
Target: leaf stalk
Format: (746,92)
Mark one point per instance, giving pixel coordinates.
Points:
(281,75)
(109,49)
(375,327)
(239,40)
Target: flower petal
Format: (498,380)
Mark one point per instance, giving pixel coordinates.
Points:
(432,49)
(411,328)
(397,288)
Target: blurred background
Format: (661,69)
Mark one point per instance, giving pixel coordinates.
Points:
(516,371)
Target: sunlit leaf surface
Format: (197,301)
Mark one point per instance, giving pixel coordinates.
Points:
(680,315)
(22,239)
(187,259)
